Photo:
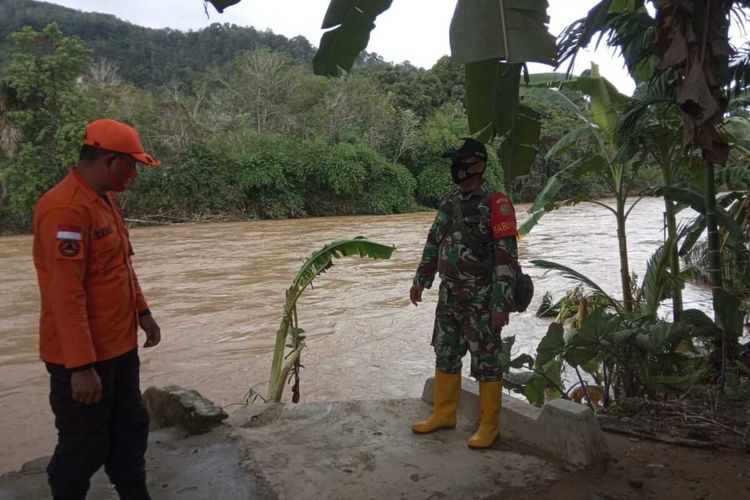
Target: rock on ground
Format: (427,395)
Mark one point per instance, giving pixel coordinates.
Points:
(174,406)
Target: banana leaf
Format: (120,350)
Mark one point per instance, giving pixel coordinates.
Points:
(545,200)
(349,23)
(521,146)
(568,140)
(512,30)
(492,89)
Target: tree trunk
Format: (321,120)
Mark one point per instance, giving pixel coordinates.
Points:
(669,210)
(622,239)
(714,261)
(714,243)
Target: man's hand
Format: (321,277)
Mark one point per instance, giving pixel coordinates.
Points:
(498,320)
(415,294)
(153,332)
(86,386)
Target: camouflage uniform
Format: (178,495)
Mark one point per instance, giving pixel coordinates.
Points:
(476,278)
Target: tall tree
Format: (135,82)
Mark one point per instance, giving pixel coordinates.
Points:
(46,111)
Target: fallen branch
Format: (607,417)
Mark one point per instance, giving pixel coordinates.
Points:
(689,443)
(717,424)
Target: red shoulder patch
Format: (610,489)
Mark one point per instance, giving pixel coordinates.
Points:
(502,217)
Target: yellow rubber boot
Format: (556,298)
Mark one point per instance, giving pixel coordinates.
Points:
(490,400)
(447,393)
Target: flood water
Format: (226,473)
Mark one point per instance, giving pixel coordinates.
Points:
(217,291)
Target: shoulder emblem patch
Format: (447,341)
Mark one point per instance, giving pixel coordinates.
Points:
(502,217)
(69,239)
(69,248)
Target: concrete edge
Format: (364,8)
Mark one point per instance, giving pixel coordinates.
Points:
(564,429)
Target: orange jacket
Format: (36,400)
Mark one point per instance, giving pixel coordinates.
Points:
(90,293)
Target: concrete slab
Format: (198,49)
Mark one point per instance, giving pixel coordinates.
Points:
(566,430)
(178,468)
(341,450)
(365,449)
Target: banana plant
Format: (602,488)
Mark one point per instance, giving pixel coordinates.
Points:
(610,162)
(289,335)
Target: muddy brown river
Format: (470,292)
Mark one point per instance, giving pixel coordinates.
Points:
(217,292)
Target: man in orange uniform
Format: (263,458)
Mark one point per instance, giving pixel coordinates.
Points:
(92,306)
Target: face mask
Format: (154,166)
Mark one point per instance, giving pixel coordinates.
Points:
(460,171)
(120,183)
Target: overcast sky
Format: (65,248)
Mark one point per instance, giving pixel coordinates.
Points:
(411,30)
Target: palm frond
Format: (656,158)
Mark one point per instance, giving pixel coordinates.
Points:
(662,90)
(739,70)
(629,29)
(734,177)
(573,275)
(579,34)
(658,279)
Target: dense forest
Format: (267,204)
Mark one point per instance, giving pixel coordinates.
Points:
(243,127)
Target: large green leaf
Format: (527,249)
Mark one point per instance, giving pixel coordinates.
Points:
(545,200)
(321,260)
(568,140)
(551,345)
(512,30)
(606,102)
(542,203)
(352,21)
(521,146)
(491,97)
(492,107)
(693,197)
(592,334)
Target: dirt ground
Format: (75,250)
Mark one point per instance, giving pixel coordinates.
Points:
(644,469)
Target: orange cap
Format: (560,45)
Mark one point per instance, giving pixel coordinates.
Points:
(116,136)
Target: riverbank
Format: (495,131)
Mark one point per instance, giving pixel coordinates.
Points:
(364,449)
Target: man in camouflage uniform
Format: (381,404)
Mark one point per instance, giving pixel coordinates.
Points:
(472,244)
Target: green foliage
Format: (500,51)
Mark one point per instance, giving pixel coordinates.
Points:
(273,176)
(47,113)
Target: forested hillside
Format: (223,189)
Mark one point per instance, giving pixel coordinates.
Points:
(243,127)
